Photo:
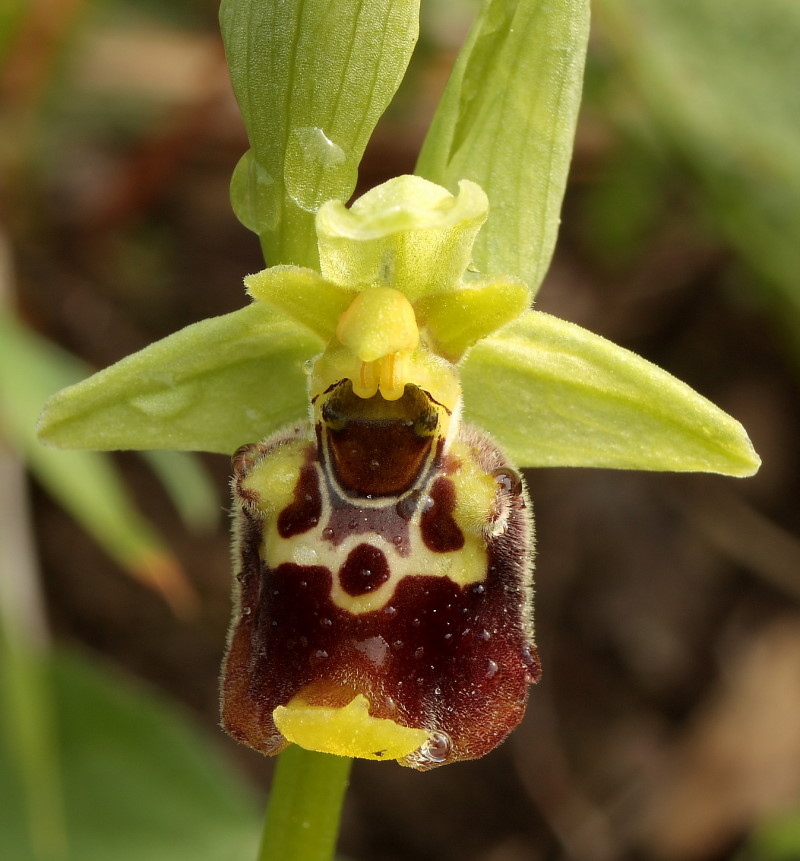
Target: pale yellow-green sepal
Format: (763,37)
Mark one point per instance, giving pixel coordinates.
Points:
(212,386)
(456,320)
(346,731)
(302,294)
(407,233)
(554,394)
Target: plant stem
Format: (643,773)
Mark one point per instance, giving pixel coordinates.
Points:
(302,821)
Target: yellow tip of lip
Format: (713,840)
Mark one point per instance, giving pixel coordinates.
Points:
(346,731)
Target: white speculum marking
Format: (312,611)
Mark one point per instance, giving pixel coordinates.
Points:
(463,566)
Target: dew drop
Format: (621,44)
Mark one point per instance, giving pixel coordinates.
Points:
(491,669)
(390,610)
(407,505)
(326,623)
(437,748)
(254,195)
(485,635)
(167,403)
(478,589)
(508,479)
(328,533)
(246,611)
(316,168)
(437,691)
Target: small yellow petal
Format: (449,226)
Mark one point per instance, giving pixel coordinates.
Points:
(346,731)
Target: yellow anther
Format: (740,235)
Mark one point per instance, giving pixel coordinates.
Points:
(393,373)
(367,379)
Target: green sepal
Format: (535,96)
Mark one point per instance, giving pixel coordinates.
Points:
(457,320)
(312,78)
(212,386)
(507,121)
(554,394)
(302,294)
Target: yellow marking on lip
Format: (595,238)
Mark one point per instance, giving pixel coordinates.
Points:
(346,730)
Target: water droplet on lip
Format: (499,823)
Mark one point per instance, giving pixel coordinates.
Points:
(437,748)
(508,479)
(408,504)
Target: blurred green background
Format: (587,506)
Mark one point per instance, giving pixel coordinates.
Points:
(667,725)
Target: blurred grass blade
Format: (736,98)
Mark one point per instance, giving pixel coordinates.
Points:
(140,782)
(189,487)
(507,121)
(84,483)
(312,79)
(555,394)
(212,386)
(720,77)
(27,729)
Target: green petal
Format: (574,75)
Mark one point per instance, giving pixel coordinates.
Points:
(507,121)
(554,394)
(213,386)
(302,294)
(407,233)
(457,320)
(312,79)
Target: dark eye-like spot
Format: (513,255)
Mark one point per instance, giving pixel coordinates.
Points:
(365,569)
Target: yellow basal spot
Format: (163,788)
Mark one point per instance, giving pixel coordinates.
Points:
(273,479)
(475,493)
(346,731)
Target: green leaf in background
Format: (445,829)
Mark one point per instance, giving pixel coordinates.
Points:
(774,840)
(212,386)
(720,78)
(312,79)
(84,483)
(139,782)
(189,486)
(554,394)
(507,121)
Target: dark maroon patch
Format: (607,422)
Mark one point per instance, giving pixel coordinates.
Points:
(440,532)
(454,660)
(304,511)
(378,447)
(364,570)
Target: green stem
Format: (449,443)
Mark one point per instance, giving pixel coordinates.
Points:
(302,821)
